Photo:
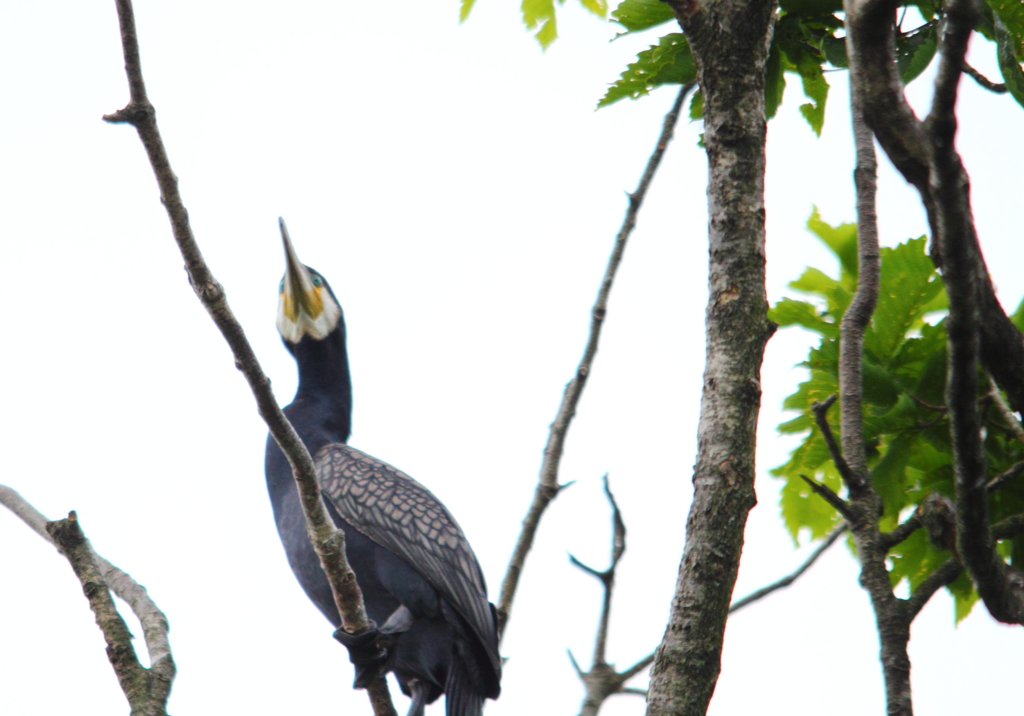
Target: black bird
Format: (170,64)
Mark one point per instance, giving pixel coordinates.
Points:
(420,579)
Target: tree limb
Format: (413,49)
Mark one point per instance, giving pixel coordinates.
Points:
(328,541)
(997,87)
(147,690)
(547,483)
(995,581)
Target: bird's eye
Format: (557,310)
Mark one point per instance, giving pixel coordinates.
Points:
(280,289)
(317,281)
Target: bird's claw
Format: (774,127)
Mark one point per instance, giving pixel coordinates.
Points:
(368,653)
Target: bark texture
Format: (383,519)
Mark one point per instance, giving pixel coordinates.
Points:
(730,40)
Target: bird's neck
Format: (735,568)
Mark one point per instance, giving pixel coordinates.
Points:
(322,408)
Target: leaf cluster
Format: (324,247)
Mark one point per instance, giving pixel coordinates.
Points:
(808,41)
(906,428)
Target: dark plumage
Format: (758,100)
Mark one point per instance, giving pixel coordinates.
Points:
(404,546)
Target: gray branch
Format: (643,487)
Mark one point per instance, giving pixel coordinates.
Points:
(547,484)
(328,541)
(147,690)
(999,585)
(786,581)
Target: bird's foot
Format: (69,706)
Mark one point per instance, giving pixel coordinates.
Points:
(367,651)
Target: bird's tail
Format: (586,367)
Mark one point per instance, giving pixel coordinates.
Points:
(461,696)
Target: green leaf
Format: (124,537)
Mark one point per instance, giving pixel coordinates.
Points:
(909,282)
(464,7)
(541,12)
(697,107)
(834,50)
(842,239)
(775,80)
(889,475)
(915,50)
(964,596)
(1011,13)
(815,89)
(598,7)
(1009,65)
(915,559)
(637,15)
(803,509)
(788,312)
(1018,316)
(668,62)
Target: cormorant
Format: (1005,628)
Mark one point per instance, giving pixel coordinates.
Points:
(420,579)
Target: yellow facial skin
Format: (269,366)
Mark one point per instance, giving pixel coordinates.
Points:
(305,307)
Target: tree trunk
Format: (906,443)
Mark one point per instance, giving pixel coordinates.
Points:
(730,40)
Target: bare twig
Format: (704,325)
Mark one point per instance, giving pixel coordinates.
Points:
(926,404)
(547,484)
(328,541)
(786,581)
(746,601)
(1005,413)
(602,680)
(841,506)
(1002,478)
(154,623)
(997,87)
(820,411)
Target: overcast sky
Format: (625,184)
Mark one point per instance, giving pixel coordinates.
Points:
(457,188)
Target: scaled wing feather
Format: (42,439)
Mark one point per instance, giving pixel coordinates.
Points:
(400,514)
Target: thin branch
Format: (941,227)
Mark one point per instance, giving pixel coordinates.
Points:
(862,306)
(926,404)
(786,581)
(328,541)
(842,507)
(941,577)
(900,533)
(1002,478)
(1004,410)
(1008,528)
(602,680)
(820,411)
(637,667)
(547,484)
(154,622)
(997,87)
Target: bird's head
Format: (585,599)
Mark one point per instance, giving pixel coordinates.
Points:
(307,305)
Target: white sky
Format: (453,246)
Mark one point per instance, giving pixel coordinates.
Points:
(460,193)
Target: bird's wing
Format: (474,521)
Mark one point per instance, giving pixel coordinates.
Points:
(400,514)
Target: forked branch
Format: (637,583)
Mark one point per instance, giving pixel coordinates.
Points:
(547,483)
(147,690)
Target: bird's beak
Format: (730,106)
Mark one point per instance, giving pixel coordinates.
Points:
(299,292)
